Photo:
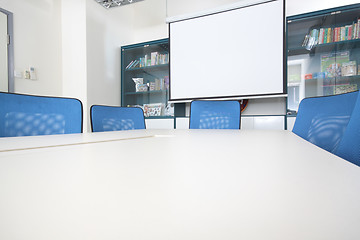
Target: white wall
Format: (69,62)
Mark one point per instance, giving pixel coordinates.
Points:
(106,31)
(294,7)
(74,53)
(37,43)
(149,20)
(183,7)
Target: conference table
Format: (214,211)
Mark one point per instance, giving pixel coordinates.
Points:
(176,185)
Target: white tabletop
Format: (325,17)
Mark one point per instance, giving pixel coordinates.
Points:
(176,184)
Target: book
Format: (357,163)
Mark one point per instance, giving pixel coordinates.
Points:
(354,30)
(342,33)
(306,40)
(153,56)
(132,64)
(146,60)
(316,35)
(350,32)
(325,35)
(321,36)
(128,66)
(152,86)
(336,37)
(329,40)
(141,64)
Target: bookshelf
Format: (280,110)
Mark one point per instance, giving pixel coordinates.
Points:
(145,79)
(323,53)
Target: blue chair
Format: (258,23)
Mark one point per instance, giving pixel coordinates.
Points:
(323,120)
(108,118)
(28,115)
(349,147)
(215,115)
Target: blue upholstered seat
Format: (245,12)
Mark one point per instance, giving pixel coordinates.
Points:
(323,120)
(109,118)
(28,115)
(215,115)
(349,147)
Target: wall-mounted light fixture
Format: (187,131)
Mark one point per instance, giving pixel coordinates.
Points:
(115,3)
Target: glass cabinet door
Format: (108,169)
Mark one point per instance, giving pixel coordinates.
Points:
(145,78)
(323,54)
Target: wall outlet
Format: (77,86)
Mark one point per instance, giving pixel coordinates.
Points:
(27,74)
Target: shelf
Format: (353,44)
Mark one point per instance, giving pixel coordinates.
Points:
(147,92)
(336,85)
(326,47)
(336,79)
(153,67)
(152,102)
(290,84)
(160,117)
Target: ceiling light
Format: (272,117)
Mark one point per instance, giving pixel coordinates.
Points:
(115,3)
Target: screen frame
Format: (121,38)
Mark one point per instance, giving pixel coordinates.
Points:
(239,96)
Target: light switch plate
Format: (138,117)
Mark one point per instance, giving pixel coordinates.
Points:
(18,74)
(32,73)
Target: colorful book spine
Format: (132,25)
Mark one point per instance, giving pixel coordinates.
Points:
(342,33)
(316,36)
(145,60)
(355,30)
(325,34)
(128,66)
(321,36)
(335,36)
(153,58)
(329,40)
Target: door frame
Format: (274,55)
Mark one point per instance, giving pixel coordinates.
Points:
(10,27)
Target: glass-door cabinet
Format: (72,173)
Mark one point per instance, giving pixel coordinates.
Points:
(323,54)
(145,78)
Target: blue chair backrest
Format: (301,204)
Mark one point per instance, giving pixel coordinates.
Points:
(323,120)
(27,115)
(109,118)
(349,147)
(215,115)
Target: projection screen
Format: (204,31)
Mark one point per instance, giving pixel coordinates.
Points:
(235,53)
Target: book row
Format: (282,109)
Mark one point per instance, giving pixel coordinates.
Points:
(332,34)
(152,59)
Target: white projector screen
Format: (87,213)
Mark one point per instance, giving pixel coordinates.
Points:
(236,53)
